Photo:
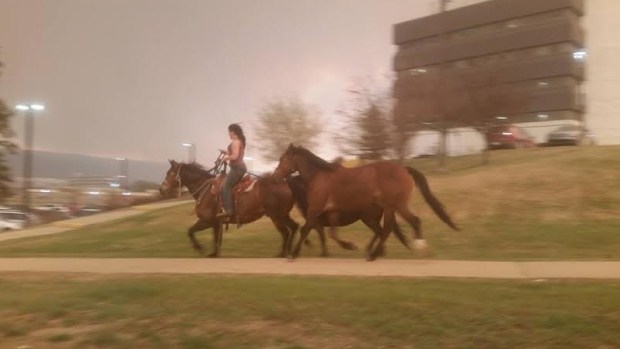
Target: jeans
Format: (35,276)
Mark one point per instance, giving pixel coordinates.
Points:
(233,177)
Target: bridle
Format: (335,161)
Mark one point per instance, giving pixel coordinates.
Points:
(202,186)
(178,178)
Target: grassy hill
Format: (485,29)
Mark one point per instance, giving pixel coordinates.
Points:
(533,204)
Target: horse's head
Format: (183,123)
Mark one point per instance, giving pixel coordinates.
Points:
(172,181)
(287,164)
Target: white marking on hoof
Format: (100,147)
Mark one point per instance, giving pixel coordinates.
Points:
(420,244)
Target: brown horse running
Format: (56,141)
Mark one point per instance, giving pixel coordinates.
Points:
(333,189)
(265,198)
(370,217)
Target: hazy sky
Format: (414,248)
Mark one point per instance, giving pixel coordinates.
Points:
(135,78)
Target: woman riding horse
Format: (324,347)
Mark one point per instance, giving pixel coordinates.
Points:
(234,156)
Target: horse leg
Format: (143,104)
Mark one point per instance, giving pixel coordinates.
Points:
(310,223)
(401,237)
(375,226)
(388,224)
(191,233)
(419,243)
(217,240)
(293,227)
(280,224)
(332,218)
(399,234)
(321,232)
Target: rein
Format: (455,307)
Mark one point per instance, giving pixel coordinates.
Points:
(206,182)
(178,178)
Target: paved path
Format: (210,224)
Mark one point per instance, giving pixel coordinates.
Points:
(302,266)
(315,266)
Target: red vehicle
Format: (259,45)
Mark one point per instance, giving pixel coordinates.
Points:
(508,137)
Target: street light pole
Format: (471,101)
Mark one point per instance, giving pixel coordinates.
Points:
(27,152)
(123,172)
(191,151)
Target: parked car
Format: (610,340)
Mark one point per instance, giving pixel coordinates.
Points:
(53,207)
(88,210)
(13,220)
(508,137)
(570,135)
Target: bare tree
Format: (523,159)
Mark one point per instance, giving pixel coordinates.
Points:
(366,129)
(284,121)
(436,102)
(488,99)
(6,147)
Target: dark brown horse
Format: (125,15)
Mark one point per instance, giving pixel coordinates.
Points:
(370,217)
(265,197)
(333,189)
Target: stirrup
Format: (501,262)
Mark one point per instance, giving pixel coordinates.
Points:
(223,214)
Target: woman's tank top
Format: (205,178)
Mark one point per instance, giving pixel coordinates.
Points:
(238,163)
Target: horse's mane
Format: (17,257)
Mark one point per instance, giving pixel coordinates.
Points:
(197,168)
(317,161)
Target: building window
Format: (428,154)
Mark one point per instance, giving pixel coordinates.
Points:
(417,71)
(580,55)
(513,24)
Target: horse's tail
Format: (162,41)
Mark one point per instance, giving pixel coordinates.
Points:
(431,200)
(299,194)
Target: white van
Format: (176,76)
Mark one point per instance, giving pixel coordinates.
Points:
(12,220)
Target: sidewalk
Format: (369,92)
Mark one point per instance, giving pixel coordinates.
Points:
(302,266)
(71,224)
(322,266)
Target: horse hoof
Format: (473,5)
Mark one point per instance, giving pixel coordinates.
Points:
(290,258)
(371,258)
(420,244)
(213,255)
(324,254)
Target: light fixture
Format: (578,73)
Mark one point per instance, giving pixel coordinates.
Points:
(34,106)
(580,55)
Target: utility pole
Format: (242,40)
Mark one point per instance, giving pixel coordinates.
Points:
(443,5)
(29,114)
(443,137)
(27,171)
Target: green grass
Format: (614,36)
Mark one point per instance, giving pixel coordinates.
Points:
(535,204)
(307,312)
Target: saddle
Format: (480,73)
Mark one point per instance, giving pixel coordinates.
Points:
(245,185)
